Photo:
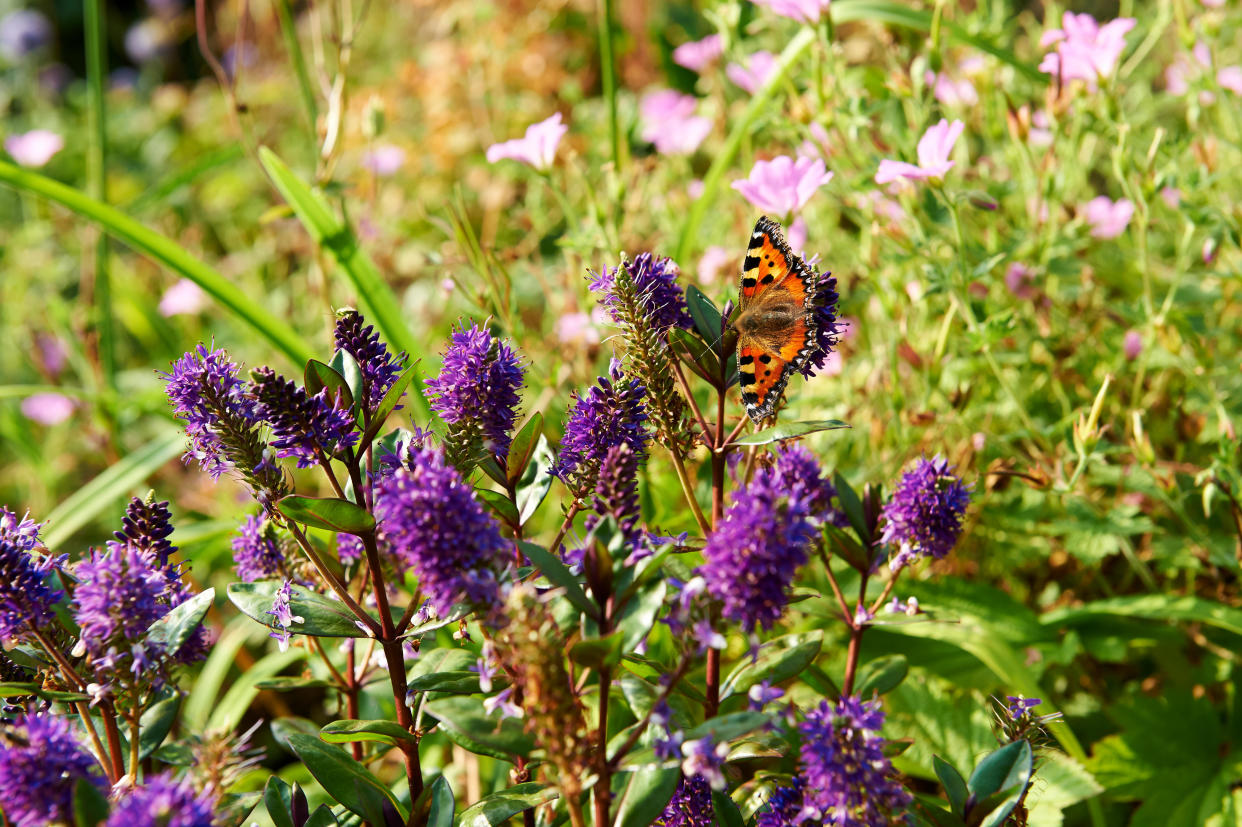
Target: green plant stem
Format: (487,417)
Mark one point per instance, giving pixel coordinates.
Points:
(97,747)
(608,78)
(164,251)
(95,23)
(289,29)
(332,580)
(687,488)
(135,748)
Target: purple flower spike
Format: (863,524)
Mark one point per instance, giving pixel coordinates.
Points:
(752,556)
(207,393)
(608,414)
(147,525)
(801,474)
(40,762)
(783,808)
(848,778)
(379,368)
(655,280)
(477,392)
(22,532)
(163,802)
(691,805)
(256,553)
(303,426)
(26,600)
(120,593)
(924,516)
(433,524)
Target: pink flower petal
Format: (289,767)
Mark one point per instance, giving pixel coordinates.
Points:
(47,408)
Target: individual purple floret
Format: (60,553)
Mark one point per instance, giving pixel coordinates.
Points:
(848,778)
(801,472)
(163,802)
(924,516)
(783,808)
(611,413)
(282,611)
(23,532)
(654,279)
(207,393)
(477,391)
(752,556)
(303,426)
(379,368)
(26,600)
(40,763)
(433,524)
(691,805)
(826,332)
(256,552)
(147,524)
(704,758)
(121,591)
(349,548)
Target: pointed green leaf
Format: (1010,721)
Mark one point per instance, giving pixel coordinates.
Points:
(322,817)
(778,660)
(281,800)
(851,504)
(174,629)
(496,809)
(155,724)
(385,732)
(523,447)
(726,810)
(551,567)
(953,783)
(696,355)
(443,806)
(789,430)
(347,367)
(468,724)
(318,376)
(535,481)
(350,783)
(882,675)
(598,652)
(1002,770)
(454,683)
(392,398)
(321,617)
(705,314)
(499,504)
(90,806)
(329,513)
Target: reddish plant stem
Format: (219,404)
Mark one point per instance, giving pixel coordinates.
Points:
(351,698)
(602,792)
(855,645)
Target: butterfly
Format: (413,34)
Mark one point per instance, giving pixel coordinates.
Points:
(777,320)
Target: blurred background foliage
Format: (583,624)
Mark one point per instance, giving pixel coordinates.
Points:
(1101,560)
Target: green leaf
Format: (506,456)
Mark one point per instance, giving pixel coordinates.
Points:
(1002,770)
(346,366)
(646,795)
(155,724)
(13,689)
(845,546)
(166,252)
(385,732)
(598,652)
(639,614)
(380,305)
(114,483)
(322,817)
(727,727)
(499,504)
(999,812)
(318,376)
(953,783)
(345,779)
(443,806)
(551,567)
(1161,607)
(228,710)
(455,683)
(851,504)
(288,683)
(698,357)
(882,675)
(392,398)
(727,813)
(1062,783)
(174,629)
(789,430)
(522,448)
(321,617)
(495,809)
(90,806)
(469,726)
(706,316)
(778,660)
(535,482)
(328,513)
(283,802)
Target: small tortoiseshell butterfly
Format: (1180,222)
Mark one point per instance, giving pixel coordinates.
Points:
(776,320)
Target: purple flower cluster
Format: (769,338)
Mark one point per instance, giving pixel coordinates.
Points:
(23,532)
(148,525)
(207,393)
(802,476)
(477,390)
(26,600)
(783,808)
(303,426)
(163,802)
(121,591)
(691,805)
(256,553)
(611,413)
(752,556)
(433,524)
(379,368)
(924,516)
(826,332)
(848,779)
(654,281)
(40,762)
(616,493)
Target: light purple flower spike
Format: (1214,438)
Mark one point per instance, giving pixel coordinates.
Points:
(536,148)
(1108,218)
(934,149)
(783,185)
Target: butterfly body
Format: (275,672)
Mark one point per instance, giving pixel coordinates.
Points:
(776,321)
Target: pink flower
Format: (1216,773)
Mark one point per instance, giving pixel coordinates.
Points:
(783,186)
(669,122)
(804,11)
(755,73)
(697,55)
(1171,196)
(383,159)
(817,147)
(951,92)
(796,235)
(536,148)
(1214,4)
(1133,345)
(1108,218)
(47,408)
(934,148)
(51,353)
(1085,50)
(1018,278)
(695,188)
(34,148)
(883,206)
(1230,78)
(577,328)
(184,297)
(713,261)
(1040,135)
